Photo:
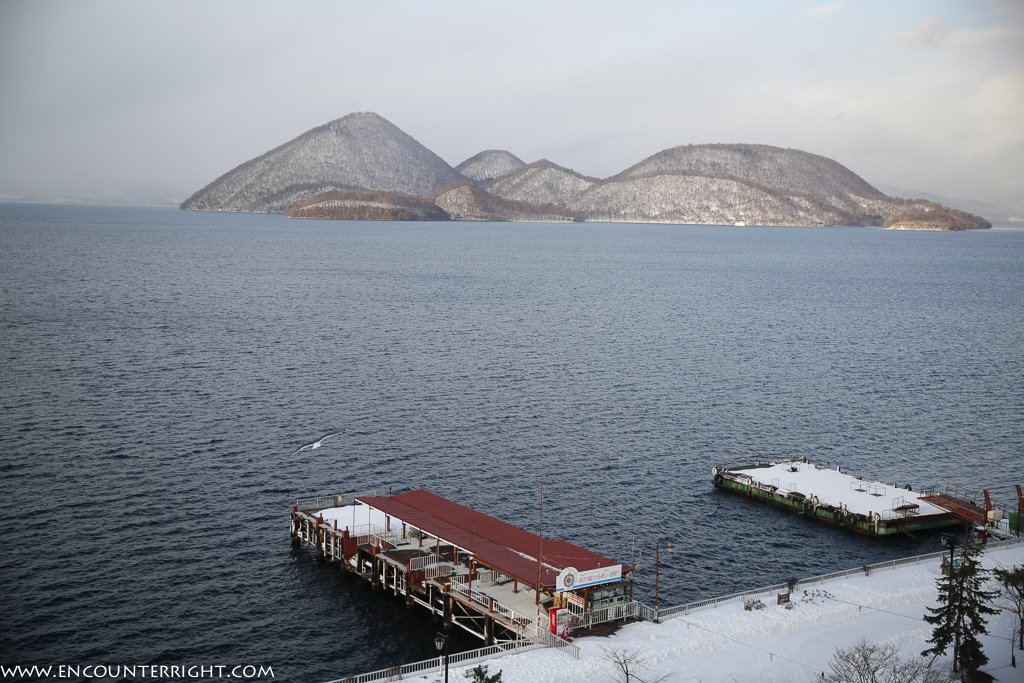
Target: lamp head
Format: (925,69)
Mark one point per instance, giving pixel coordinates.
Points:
(440,640)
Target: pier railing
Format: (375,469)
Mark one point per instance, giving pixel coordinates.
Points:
(418,564)
(624,611)
(396,673)
(438,569)
(520,620)
(551,640)
(382,536)
(335,501)
(664,614)
(372,533)
(599,616)
(458,583)
(365,533)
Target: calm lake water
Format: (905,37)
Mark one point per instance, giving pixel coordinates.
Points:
(159,366)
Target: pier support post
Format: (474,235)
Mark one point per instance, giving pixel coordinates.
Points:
(448,613)
(488,631)
(294,529)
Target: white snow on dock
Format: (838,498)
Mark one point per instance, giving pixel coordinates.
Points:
(355,518)
(836,488)
(730,644)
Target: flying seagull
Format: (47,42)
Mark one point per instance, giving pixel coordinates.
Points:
(316,444)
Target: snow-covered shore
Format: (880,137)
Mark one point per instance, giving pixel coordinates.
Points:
(730,643)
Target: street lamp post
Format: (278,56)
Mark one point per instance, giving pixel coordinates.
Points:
(951,542)
(441,641)
(657,546)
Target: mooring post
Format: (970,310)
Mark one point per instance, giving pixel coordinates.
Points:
(294,526)
(344,559)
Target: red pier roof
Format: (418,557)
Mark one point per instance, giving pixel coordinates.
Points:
(497,544)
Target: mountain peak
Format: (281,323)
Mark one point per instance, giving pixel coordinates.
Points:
(773,168)
(359,151)
(490,164)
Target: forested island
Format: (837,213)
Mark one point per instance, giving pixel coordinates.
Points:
(363,167)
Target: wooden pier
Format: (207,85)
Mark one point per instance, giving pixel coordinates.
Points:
(491,578)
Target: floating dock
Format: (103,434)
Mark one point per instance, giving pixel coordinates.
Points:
(493,579)
(837,497)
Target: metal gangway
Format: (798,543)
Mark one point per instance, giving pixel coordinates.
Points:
(982,508)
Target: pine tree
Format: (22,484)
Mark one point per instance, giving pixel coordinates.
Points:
(479,675)
(960,617)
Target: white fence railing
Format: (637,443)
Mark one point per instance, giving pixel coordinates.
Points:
(418,564)
(438,570)
(605,614)
(551,640)
(523,623)
(459,583)
(396,673)
(367,533)
(390,537)
(364,533)
(337,500)
(521,620)
(651,614)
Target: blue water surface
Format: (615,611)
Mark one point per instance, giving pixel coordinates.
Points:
(159,366)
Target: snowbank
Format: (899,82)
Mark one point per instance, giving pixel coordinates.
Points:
(774,643)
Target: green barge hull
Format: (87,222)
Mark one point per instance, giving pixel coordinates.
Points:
(873,525)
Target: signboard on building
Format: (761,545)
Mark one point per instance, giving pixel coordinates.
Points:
(571,579)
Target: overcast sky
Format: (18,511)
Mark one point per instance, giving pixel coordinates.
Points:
(98,96)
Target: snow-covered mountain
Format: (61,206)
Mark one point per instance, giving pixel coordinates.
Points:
(712,184)
(359,151)
(707,184)
(490,164)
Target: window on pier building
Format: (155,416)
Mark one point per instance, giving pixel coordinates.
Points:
(605,596)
